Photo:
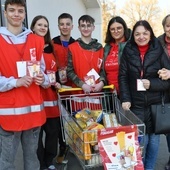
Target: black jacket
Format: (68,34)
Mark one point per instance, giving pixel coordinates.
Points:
(130,70)
(161,38)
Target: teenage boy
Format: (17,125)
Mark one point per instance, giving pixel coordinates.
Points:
(60,45)
(85,58)
(21,105)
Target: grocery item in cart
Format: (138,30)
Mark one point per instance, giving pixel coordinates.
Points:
(97,115)
(84,115)
(92,132)
(110,120)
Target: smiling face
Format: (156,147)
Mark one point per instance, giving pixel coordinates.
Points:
(117,31)
(15,15)
(86,28)
(142,36)
(65,26)
(167,27)
(41,27)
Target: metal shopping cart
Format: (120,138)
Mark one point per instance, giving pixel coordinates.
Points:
(75,133)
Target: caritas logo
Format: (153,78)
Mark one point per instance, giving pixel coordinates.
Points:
(33,54)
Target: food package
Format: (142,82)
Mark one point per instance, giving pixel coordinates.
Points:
(97,115)
(82,124)
(110,120)
(82,145)
(84,115)
(92,134)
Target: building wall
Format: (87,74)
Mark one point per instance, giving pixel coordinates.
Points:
(53,8)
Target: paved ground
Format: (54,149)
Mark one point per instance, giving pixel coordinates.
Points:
(74,164)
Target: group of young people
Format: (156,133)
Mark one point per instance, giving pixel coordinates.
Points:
(136,62)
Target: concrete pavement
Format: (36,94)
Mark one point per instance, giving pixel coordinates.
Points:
(74,164)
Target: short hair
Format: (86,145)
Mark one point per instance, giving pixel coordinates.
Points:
(146,25)
(18,2)
(65,15)
(86,18)
(119,20)
(164,20)
(47,37)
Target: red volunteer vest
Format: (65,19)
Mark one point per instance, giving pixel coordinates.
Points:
(84,61)
(20,108)
(61,54)
(50,96)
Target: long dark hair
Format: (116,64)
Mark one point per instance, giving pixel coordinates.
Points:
(146,25)
(120,20)
(47,37)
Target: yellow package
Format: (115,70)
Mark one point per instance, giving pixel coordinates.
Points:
(97,115)
(84,115)
(92,134)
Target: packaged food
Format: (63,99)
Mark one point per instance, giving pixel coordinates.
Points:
(82,145)
(92,134)
(110,120)
(84,115)
(97,115)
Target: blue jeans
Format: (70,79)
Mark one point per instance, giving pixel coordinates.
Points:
(151,151)
(9,142)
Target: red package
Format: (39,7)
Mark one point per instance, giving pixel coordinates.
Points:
(119,148)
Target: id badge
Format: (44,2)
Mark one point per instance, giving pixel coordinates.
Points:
(90,80)
(94,73)
(62,74)
(33,68)
(21,68)
(51,76)
(140,86)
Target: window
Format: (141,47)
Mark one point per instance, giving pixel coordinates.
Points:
(2,21)
(2,18)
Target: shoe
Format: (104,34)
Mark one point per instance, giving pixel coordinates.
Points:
(62,153)
(51,167)
(167,166)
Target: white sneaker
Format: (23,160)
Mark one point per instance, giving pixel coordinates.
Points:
(52,167)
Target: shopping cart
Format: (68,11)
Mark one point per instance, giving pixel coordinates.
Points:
(74,132)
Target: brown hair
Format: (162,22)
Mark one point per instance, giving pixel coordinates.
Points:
(18,2)
(47,37)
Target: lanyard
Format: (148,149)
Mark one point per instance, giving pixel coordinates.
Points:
(18,51)
(87,59)
(141,73)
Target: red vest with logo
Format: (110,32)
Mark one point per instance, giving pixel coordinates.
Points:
(50,95)
(84,60)
(20,108)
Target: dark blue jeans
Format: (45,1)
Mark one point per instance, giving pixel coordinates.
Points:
(151,150)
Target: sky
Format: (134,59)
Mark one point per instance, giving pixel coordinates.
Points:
(164,4)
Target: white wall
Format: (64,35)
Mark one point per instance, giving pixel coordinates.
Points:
(53,8)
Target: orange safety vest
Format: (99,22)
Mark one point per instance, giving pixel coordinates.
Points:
(20,108)
(50,95)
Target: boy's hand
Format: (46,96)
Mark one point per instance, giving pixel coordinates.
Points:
(25,81)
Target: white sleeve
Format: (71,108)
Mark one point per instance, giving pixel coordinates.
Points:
(7,83)
(42,67)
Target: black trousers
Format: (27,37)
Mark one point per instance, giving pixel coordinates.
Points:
(48,145)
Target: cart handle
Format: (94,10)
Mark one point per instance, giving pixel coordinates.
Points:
(76,89)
